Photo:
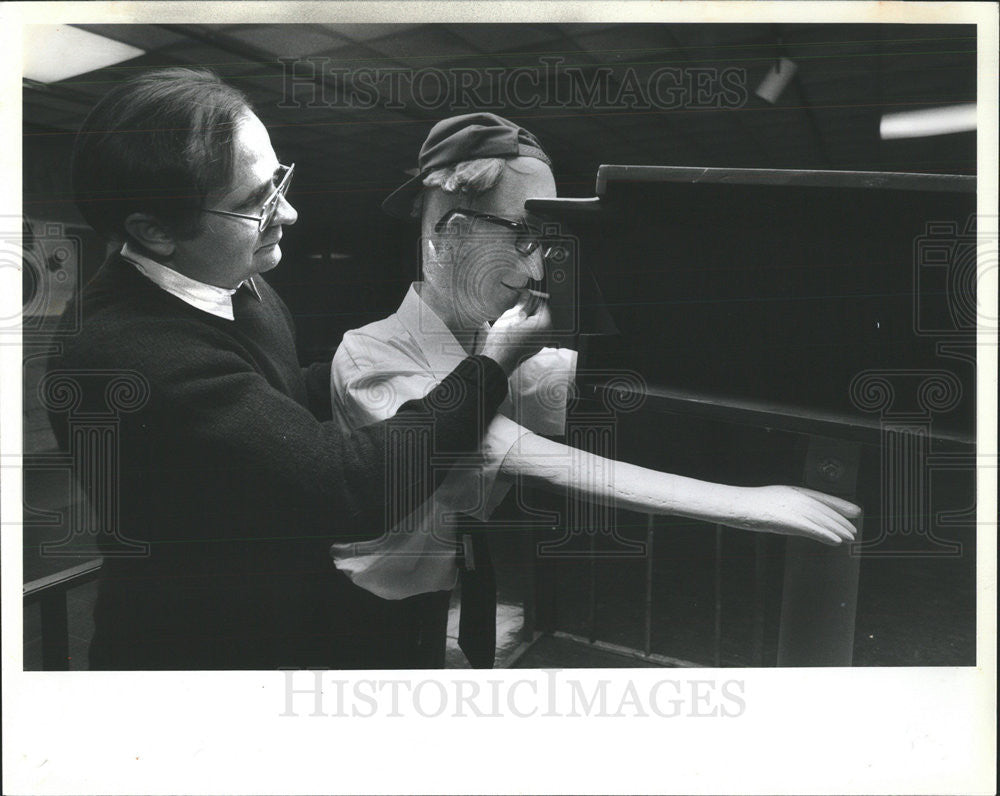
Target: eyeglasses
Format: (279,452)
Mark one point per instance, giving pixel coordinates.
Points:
(526,242)
(270,204)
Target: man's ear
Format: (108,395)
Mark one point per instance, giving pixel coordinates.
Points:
(150,233)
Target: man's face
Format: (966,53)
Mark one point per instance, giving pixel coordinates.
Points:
(488,269)
(228,250)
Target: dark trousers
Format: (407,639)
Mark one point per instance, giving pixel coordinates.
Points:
(316,621)
(372,633)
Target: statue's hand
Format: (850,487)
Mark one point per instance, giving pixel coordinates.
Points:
(518,333)
(796,511)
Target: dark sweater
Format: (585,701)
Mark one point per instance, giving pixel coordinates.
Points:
(238,480)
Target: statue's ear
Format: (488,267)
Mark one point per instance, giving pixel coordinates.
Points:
(151,234)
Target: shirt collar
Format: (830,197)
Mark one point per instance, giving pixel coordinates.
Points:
(217,301)
(435,340)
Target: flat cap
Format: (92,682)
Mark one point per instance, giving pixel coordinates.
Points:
(460,138)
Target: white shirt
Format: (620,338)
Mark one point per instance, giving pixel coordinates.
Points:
(212,299)
(380,367)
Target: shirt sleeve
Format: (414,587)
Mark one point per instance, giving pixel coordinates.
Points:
(539,390)
(371,378)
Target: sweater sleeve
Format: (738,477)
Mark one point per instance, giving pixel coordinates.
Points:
(217,446)
(317,379)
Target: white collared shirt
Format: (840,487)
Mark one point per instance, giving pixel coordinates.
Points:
(212,299)
(380,367)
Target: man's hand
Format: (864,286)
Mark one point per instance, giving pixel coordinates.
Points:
(519,332)
(795,511)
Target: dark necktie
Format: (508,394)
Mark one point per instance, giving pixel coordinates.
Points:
(477,626)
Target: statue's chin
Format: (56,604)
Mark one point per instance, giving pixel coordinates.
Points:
(474,317)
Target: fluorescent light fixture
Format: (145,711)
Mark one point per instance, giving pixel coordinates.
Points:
(776,79)
(330,256)
(929,121)
(58,52)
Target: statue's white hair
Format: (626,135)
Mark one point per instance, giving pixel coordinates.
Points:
(470,177)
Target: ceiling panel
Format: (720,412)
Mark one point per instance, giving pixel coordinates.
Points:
(196,53)
(287,40)
(367,32)
(518,39)
(627,45)
(146,37)
(358,55)
(428,45)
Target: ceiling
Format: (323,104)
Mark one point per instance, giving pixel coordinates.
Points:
(364,97)
(827,117)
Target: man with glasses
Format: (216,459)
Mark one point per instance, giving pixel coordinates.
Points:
(231,479)
(480,252)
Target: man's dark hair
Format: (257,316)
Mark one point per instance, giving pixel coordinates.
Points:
(158,144)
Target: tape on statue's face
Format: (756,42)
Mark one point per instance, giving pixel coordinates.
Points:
(491,270)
